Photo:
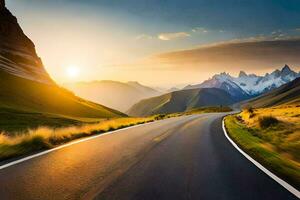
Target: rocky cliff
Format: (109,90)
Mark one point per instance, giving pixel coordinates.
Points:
(17,51)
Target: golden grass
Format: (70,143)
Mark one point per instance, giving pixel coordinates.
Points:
(280,160)
(12,145)
(44,137)
(283,137)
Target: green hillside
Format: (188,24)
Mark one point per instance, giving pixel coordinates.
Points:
(180,101)
(26,103)
(286,94)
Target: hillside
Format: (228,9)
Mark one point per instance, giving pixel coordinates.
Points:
(286,94)
(180,101)
(117,95)
(27,89)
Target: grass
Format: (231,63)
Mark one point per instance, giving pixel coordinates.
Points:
(24,95)
(15,121)
(23,143)
(46,138)
(272,137)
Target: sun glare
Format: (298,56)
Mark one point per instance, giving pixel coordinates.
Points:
(72,72)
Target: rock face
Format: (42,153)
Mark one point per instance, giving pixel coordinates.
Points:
(17,51)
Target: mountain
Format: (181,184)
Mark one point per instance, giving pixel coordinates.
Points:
(288,93)
(180,101)
(246,86)
(172,89)
(27,89)
(117,95)
(17,52)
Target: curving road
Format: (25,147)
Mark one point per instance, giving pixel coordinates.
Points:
(180,158)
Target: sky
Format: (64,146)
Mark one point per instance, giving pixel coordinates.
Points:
(160,42)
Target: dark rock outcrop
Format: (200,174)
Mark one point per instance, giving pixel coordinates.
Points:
(17,51)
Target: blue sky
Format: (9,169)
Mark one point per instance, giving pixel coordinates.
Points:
(124,31)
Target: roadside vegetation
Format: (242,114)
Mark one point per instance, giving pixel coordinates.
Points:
(13,144)
(272,137)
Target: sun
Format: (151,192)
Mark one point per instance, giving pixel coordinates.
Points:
(72,72)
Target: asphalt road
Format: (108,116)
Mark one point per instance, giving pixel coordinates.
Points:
(179,158)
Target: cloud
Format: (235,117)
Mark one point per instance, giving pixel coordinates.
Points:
(173,36)
(252,54)
(199,30)
(144,37)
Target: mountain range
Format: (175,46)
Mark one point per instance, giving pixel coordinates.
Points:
(288,93)
(180,101)
(245,85)
(114,94)
(267,90)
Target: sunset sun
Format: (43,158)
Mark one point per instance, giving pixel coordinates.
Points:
(72,71)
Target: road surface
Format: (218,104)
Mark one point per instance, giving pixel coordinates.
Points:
(179,158)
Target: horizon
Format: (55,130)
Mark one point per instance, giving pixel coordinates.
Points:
(111,41)
(182,85)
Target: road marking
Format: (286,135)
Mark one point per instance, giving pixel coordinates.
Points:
(72,143)
(69,144)
(284,184)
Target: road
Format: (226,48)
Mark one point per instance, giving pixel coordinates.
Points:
(179,158)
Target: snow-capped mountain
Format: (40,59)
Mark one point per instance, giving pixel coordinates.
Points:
(245,86)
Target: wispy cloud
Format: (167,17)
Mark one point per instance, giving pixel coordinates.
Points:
(199,30)
(144,37)
(173,36)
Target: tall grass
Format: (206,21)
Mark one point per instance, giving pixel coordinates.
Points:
(265,152)
(45,138)
(12,145)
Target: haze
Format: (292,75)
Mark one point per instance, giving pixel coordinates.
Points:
(137,39)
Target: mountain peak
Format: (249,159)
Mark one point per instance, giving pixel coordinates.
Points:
(286,68)
(242,74)
(17,52)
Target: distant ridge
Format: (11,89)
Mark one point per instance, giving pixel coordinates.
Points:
(182,100)
(115,94)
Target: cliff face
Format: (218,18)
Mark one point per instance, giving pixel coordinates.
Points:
(17,51)
(2,4)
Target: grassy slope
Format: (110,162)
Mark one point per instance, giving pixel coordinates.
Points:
(45,138)
(180,101)
(288,93)
(28,103)
(276,147)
